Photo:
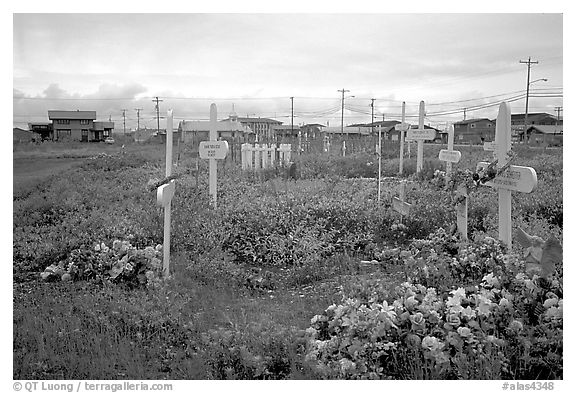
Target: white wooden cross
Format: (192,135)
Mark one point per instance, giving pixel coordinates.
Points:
(165,192)
(402,128)
(420,134)
(399,203)
(515,178)
(450,155)
(453,156)
(213,150)
(462,211)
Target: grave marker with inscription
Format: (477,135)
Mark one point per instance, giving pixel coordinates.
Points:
(420,134)
(213,150)
(515,178)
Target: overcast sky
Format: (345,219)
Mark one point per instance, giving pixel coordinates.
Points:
(256,62)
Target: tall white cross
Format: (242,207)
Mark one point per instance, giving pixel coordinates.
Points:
(420,134)
(165,192)
(515,178)
(213,150)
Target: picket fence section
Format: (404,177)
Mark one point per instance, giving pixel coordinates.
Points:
(263,156)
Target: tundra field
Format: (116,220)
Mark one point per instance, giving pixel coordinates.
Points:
(271,285)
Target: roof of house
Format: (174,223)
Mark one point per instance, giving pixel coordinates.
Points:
(204,125)
(551,130)
(258,120)
(518,116)
(470,121)
(72,115)
(313,125)
(285,127)
(383,123)
(348,130)
(100,125)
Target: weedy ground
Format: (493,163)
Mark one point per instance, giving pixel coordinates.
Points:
(245,280)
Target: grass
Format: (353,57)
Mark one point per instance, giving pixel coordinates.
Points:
(204,323)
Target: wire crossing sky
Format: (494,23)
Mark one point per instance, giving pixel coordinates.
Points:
(256,62)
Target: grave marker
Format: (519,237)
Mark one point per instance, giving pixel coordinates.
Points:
(399,203)
(165,192)
(402,128)
(450,155)
(421,134)
(213,150)
(515,178)
(462,211)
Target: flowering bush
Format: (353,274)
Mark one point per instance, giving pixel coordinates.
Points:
(503,326)
(121,262)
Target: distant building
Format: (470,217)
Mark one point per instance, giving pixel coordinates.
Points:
(474,131)
(285,131)
(545,135)
(538,118)
(350,131)
(312,130)
(198,130)
(79,126)
(43,129)
(261,126)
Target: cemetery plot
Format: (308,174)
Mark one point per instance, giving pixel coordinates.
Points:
(284,252)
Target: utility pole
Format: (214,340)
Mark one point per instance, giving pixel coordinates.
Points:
(138,116)
(157,112)
(342,119)
(558,110)
(372,106)
(529,64)
(124,116)
(292,117)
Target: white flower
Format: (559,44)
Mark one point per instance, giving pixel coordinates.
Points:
(431,343)
(97,247)
(346,365)
(490,280)
(459,293)
(464,331)
(468,312)
(504,302)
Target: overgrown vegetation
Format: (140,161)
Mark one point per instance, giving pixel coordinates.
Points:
(248,277)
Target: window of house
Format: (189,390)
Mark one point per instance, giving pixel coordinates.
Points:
(84,122)
(473,125)
(106,133)
(63,121)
